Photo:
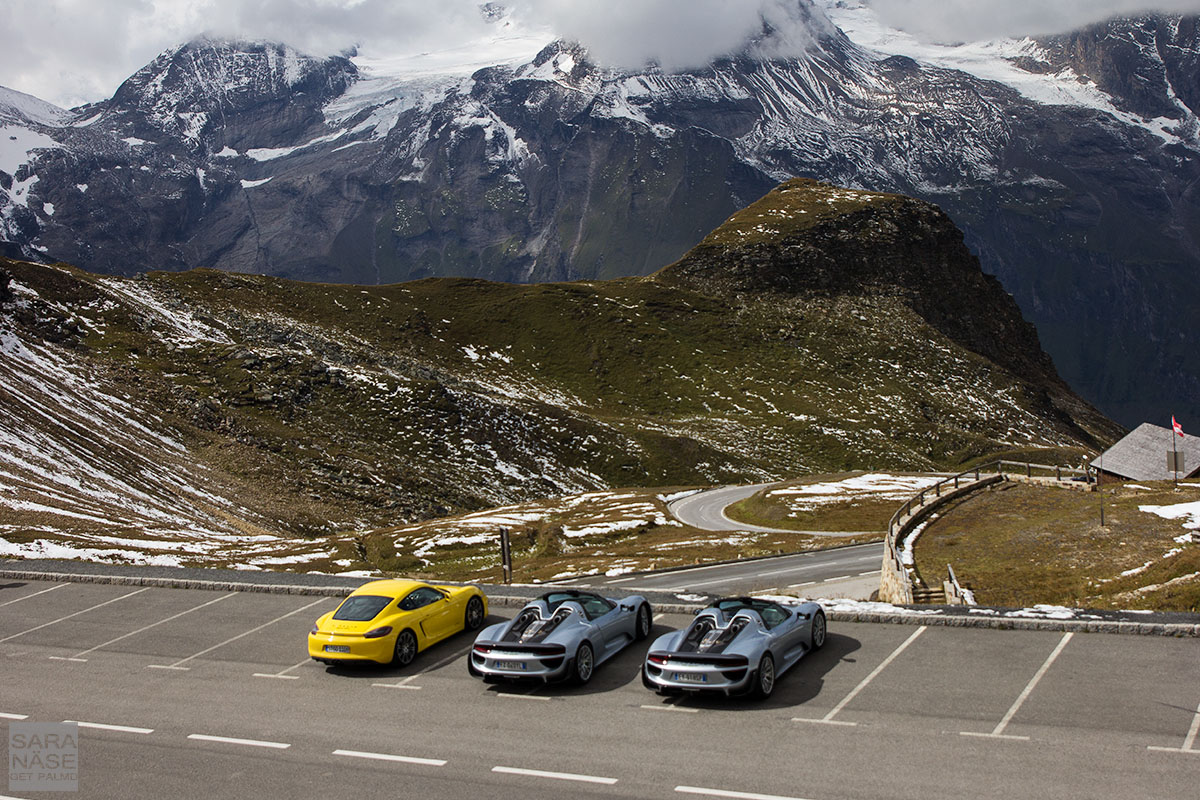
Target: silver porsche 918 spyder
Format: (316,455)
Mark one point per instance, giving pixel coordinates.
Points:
(736,645)
(563,634)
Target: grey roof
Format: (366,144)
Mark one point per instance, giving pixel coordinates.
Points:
(1142,455)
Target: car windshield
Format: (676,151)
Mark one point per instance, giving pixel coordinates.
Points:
(593,606)
(361,608)
(771,613)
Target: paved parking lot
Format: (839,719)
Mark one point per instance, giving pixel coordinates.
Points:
(200,675)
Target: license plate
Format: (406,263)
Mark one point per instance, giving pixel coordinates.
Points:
(513,665)
(337,648)
(691,677)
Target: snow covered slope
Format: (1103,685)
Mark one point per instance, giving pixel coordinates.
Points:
(238,419)
(1067,161)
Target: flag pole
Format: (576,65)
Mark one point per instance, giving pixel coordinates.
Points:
(1174,454)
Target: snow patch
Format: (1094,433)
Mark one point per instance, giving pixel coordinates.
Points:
(1177,511)
(18,144)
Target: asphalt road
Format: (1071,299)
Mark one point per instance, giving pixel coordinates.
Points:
(801,572)
(841,572)
(706,511)
(189,693)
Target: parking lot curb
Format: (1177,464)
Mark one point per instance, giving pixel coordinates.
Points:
(997,621)
(980,618)
(178,583)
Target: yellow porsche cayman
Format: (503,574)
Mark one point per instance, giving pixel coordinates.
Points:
(390,621)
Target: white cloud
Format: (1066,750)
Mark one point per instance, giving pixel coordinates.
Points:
(949,21)
(74,51)
(677,34)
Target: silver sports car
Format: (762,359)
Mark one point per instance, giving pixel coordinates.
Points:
(563,634)
(737,645)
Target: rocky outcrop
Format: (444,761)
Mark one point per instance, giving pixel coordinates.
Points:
(212,94)
(807,237)
(253,158)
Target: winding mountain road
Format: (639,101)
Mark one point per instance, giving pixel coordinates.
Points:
(841,571)
(706,511)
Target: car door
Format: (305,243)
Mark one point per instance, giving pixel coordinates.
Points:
(609,620)
(428,608)
(785,628)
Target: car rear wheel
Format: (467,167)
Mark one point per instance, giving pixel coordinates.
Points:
(764,679)
(819,630)
(406,649)
(584,665)
(642,628)
(474,615)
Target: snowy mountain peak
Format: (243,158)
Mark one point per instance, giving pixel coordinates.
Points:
(181,90)
(23,109)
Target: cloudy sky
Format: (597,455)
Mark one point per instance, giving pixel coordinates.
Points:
(75,51)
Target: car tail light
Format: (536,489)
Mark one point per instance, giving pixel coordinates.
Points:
(657,659)
(378,632)
(316,629)
(483,648)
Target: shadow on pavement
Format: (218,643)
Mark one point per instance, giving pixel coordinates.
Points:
(800,685)
(459,643)
(622,669)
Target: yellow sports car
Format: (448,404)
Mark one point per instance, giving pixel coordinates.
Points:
(390,621)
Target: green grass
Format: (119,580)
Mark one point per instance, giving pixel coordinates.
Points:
(542,551)
(792,208)
(851,514)
(1020,545)
(348,409)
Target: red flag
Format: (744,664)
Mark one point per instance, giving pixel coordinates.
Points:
(1178,428)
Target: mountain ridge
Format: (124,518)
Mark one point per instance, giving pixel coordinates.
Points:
(550,168)
(139,409)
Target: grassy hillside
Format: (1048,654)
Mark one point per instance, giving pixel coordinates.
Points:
(313,413)
(1022,545)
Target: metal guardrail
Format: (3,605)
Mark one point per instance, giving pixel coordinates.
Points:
(956,593)
(895,571)
(998,466)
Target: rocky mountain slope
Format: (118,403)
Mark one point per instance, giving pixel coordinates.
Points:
(1069,162)
(229,417)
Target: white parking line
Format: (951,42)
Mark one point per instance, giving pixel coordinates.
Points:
(998,731)
(429,762)
(624,580)
(518,696)
(35,594)
(1189,742)
(202,737)
(404,684)
(5,715)
(668,707)
(727,793)
(178,664)
(76,614)
(283,674)
(79,656)
(828,718)
(558,776)
(100,726)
